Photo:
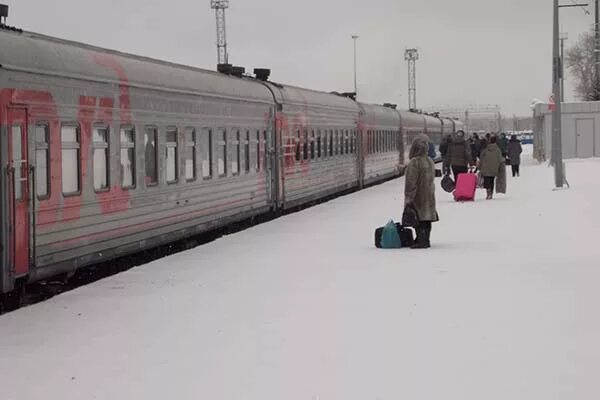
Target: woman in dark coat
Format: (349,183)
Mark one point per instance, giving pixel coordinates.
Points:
(419,190)
(514,154)
(489,163)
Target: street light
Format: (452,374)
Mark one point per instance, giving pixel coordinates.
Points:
(354,37)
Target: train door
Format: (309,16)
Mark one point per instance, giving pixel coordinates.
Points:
(18,191)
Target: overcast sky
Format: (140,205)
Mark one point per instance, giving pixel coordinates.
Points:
(471,51)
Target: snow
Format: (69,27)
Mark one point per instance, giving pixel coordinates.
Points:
(504,306)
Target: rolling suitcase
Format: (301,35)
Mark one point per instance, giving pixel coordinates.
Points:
(406,236)
(466,185)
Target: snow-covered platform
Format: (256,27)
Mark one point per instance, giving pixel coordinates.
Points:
(504,306)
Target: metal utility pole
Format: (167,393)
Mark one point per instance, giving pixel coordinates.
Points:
(557,159)
(220,6)
(354,37)
(412,55)
(556,114)
(563,37)
(597,52)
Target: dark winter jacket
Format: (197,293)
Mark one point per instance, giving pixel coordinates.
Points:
(503,144)
(432,154)
(514,152)
(482,145)
(490,160)
(444,145)
(419,188)
(459,153)
(475,148)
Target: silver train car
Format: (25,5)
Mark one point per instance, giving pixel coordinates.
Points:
(105,154)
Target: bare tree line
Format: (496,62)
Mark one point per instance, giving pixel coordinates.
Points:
(580,60)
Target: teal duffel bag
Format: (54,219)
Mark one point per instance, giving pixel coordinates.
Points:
(390,239)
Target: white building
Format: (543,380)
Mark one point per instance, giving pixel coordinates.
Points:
(580,130)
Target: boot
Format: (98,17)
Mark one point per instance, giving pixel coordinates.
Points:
(422,241)
(489,194)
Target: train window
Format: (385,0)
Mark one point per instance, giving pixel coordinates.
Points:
(297,145)
(318,143)
(325,143)
(265,143)
(190,154)
(247,151)
(171,156)
(347,141)
(257,151)
(385,141)
(101,162)
(151,155)
(71,156)
(222,160)
(331,143)
(305,144)
(352,142)
(127,157)
(373,137)
(42,160)
(312,144)
(235,161)
(206,150)
(334,137)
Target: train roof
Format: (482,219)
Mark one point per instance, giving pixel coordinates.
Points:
(434,124)
(383,115)
(288,94)
(36,53)
(412,120)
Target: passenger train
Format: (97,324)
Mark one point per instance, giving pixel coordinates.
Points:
(105,154)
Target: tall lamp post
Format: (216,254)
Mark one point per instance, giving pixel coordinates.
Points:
(354,37)
(557,160)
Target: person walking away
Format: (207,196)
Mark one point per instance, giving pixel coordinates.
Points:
(489,164)
(419,190)
(483,142)
(459,154)
(475,146)
(514,154)
(503,144)
(444,153)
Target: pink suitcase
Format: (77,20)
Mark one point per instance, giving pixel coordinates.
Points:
(466,184)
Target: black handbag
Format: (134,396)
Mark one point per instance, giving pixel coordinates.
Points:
(448,184)
(410,217)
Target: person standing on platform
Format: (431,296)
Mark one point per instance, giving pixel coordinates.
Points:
(514,154)
(503,144)
(446,140)
(459,155)
(489,164)
(419,190)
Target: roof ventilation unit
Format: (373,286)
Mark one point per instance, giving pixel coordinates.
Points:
(3,14)
(350,95)
(238,71)
(262,74)
(224,68)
